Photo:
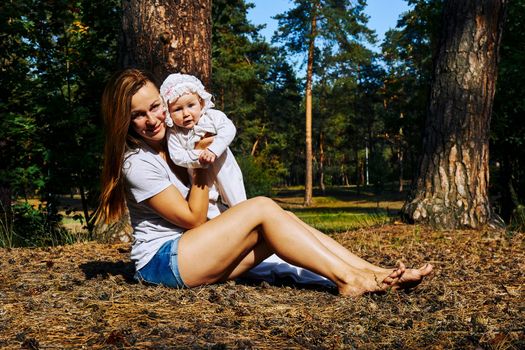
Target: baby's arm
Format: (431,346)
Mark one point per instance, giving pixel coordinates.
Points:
(181,155)
(225,132)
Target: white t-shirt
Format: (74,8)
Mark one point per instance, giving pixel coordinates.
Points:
(147,174)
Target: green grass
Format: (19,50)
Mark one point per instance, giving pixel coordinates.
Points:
(7,234)
(340,209)
(343,221)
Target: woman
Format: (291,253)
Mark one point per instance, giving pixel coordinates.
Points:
(174,244)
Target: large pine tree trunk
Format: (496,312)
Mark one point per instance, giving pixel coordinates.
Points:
(451,190)
(164,36)
(167,36)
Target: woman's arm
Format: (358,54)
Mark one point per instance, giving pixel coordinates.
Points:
(204,143)
(172,206)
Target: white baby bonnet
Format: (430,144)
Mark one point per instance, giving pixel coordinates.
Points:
(176,85)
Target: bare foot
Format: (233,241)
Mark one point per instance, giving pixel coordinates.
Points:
(409,278)
(399,278)
(371,281)
(396,274)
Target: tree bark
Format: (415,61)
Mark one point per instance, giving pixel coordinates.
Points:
(451,189)
(400,154)
(167,36)
(308,182)
(321,163)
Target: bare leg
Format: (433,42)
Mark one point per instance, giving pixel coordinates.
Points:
(260,252)
(399,277)
(227,239)
(345,254)
(208,252)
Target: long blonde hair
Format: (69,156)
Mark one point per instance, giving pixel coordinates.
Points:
(119,139)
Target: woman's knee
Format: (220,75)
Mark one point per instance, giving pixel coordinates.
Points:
(292,214)
(264,200)
(264,203)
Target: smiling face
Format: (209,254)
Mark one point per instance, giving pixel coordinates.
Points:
(186,110)
(147,115)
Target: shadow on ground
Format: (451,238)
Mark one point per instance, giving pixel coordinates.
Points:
(104,269)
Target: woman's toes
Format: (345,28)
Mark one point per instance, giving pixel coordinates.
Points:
(426,269)
(401,266)
(388,281)
(394,274)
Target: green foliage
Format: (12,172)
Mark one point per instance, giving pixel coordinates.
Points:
(340,32)
(407,52)
(508,124)
(238,60)
(330,222)
(22,154)
(55,56)
(21,225)
(255,86)
(258,177)
(348,79)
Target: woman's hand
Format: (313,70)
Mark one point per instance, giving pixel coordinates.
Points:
(204,143)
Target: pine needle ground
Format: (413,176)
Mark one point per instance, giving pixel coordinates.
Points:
(84,296)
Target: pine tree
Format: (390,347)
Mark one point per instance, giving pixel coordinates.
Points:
(167,36)
(451,190)
(336,23)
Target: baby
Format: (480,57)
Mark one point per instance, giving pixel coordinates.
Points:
(190,119)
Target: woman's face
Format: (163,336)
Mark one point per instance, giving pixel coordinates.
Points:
(147,114)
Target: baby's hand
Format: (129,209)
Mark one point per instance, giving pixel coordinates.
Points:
(207,157)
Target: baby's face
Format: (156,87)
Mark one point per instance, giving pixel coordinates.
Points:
(186,110)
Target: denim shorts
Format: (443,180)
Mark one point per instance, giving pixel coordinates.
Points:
(163,268)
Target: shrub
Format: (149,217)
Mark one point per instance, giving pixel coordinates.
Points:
(517,220)
(22,225)
(258,180)
(6,229)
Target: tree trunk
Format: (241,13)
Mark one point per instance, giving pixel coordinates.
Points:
(321,163)
(451,189)
(357,166)
(308,182)
(164,37)
(400,154)
(167,36)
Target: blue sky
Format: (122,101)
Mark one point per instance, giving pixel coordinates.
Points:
(383,14)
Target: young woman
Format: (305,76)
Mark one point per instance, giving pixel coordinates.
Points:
(174,243)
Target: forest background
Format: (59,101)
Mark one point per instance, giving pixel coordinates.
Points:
(369,108)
